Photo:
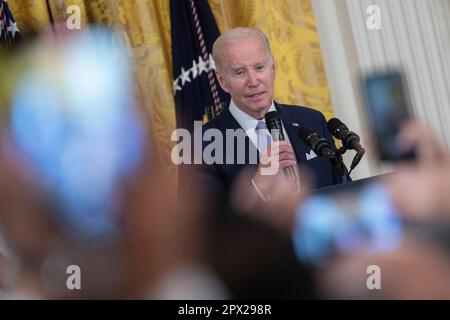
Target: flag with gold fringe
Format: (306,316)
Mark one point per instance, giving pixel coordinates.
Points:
(198,95)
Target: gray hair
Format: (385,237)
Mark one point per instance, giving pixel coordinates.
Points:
(236,35)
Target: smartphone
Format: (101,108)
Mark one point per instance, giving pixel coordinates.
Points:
(356,217)
(388,108)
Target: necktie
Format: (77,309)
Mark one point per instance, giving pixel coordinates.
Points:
(264,138)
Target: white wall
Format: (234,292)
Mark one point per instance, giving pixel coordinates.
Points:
(414,35)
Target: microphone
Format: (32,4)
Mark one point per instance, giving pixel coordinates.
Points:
(319,145)
(350,140)
(273,123)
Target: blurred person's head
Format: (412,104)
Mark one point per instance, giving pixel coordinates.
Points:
(417,267)
(245,69)
(255,260)
(80,183)
(416,270)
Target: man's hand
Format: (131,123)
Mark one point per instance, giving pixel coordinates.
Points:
(419,190)
(280,210)
(277,156)
(429,148)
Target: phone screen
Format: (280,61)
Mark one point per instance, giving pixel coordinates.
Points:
(358,217)
(388,108)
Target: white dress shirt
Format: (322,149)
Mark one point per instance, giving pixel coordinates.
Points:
(248,123)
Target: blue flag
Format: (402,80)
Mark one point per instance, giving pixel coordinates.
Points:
(197,93)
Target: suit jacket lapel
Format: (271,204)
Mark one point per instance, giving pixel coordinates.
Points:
(229,121)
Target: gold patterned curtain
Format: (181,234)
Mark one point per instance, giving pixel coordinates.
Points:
(145,26)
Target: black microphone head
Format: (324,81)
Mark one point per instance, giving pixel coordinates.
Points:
(305,133)
(273,123)
(336,127)
(272,120)
(319,145)
(271,115)
(339,130)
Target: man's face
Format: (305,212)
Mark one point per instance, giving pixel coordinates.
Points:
(248,74)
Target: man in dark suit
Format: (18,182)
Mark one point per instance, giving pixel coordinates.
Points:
(245,69)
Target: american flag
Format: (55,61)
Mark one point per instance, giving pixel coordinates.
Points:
(9,32)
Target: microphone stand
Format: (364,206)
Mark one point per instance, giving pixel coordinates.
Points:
(358,156)
(345,175)
(338,163)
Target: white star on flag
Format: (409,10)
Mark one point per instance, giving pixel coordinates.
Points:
(176,87)
(13,28)
(196,70)
(212,63)
(184,76)
(201,66)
